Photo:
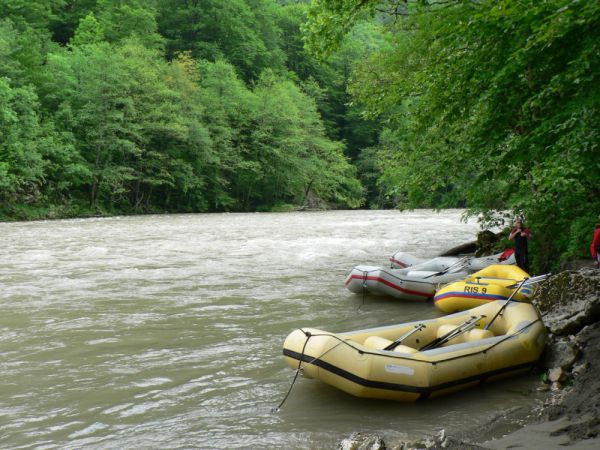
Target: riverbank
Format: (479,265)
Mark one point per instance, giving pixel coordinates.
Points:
(569,414)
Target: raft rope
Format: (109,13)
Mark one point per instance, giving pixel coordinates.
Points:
(364,289)
(297,371)
(308,335)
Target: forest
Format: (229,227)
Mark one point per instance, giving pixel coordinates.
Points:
(148,106)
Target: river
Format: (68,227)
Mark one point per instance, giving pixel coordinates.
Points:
(166,331)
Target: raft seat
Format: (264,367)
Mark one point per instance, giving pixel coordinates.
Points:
(475,334)
(379,343)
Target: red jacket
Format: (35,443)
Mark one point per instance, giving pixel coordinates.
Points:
(595,243)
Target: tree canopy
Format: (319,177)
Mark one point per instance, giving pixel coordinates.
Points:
(493,104)
(130,106)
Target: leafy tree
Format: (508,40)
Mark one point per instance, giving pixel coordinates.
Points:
(490,103)
(89,32)
(231,30)
(228,106)
(66,17)
(136,19)
(30,14)
(36,162)
(116,104)
(294,152)
(21,166)
(327,80)
(96,120)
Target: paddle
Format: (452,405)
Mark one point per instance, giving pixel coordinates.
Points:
(458,264)
(398,341)
(463,327)
(508,300)
(532,280)
(524,282)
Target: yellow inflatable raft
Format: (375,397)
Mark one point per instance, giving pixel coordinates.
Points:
(495,282)
(417,360)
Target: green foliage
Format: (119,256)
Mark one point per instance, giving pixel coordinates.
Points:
(32,153)
(128,106)
(122,20)
(492,104)
(88,32)
(327,82)
(329,21)
(240,31)
(30,14)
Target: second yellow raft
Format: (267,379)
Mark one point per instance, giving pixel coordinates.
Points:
(495,282)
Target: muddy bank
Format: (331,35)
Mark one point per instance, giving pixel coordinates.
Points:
(569,371)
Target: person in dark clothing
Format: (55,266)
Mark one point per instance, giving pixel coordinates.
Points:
(521,235)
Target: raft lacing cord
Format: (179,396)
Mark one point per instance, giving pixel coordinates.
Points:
(308,335)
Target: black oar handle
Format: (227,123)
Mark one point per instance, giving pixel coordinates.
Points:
(507,302)
(453,333)
(398,341)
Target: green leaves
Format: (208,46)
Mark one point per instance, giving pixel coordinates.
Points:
(135,106)
(241,31)
(491,104)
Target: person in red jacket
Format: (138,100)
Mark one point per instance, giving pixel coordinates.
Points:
(595,246)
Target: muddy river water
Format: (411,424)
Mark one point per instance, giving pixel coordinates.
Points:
(166,331)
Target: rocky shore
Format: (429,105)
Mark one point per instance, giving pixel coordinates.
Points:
(570,413)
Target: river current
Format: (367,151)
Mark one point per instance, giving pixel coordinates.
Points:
(156,332)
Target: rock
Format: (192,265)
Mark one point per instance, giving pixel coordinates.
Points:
(576,264)
(469,247)
(448,443)
(556,374)
(579,368)
(430,442)
(569,301)
(441,435)
(359,441)
(410,445)
(486,241)
(585,428)
(562,353)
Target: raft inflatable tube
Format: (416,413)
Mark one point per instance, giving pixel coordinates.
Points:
(358,363)
(495,282)
(415,283)
(402,260)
